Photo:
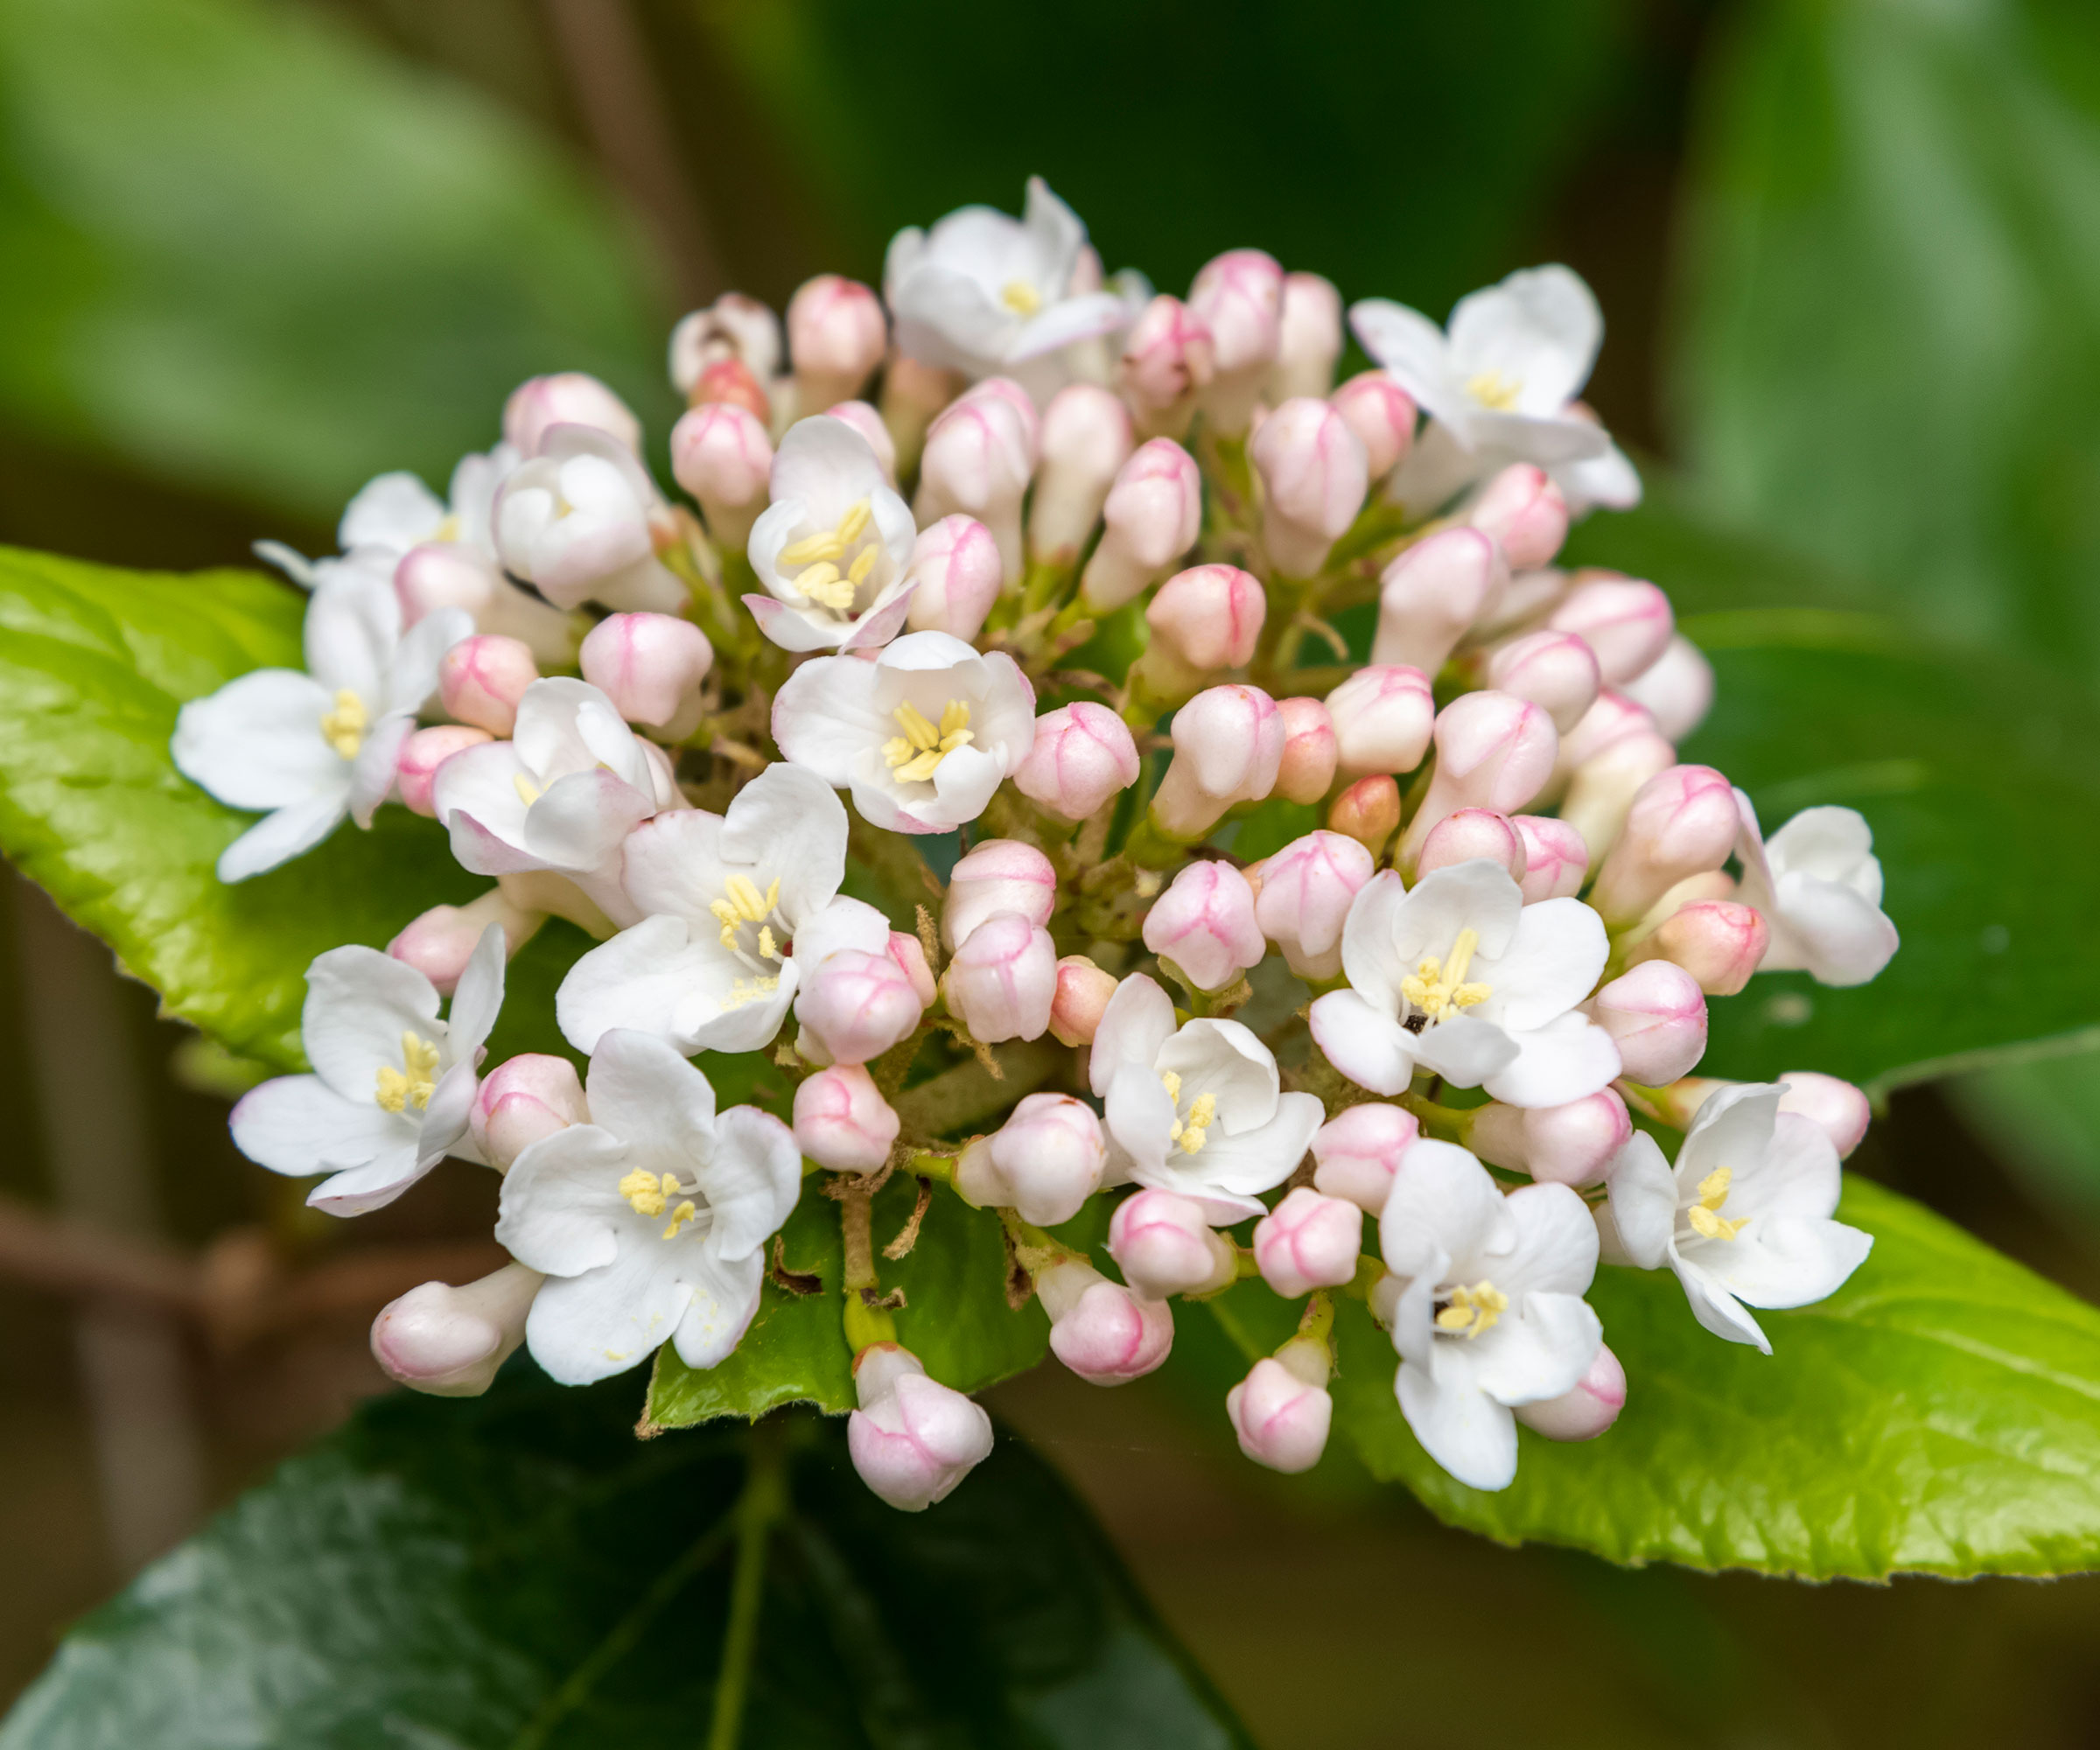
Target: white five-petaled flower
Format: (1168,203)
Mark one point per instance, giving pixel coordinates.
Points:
(562,794)
(1818,884)
(1461,977)
(1490,1312)
(395,512)
(1198,1110)
(577,522)
(734,909)
(315,746)
(922,735)
(834,546)
(986,294)
(1745,1216)
(392,1085)
(650,1221)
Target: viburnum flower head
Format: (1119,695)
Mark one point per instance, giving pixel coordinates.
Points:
(392,1085)
(1817,885)
(649,1221)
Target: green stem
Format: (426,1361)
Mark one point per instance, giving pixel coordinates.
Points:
(763,1505)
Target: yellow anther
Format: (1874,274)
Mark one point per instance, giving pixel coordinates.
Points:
(811,548)
(1172,1083)
(742,894)
(916,726)
(823,584)
(767,948)
(1492,388)
(856,573)
(528,793)
(823,581)
(854,520)
(916,754)
(343,729)
(731,919)
(1706,1220)
(1438,988)
(1020,297)
(1191,1136)
(397,1092)
(1471,1310)
(685,1212)
(749,991)
(646,1192)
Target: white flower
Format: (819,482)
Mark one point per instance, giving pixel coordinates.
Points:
(1490,1312)
(392,1086)
(1462,978)
(1745,1216)
(1818,884)
(563,793)
(1197,1110)
(394,511)
(734,907)
(922,735)
(983,293)
(650,1221)
(834,546)
(315,746)
(575,521)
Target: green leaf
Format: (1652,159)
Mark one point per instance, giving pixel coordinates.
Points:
(519,1571)
(2039,1117)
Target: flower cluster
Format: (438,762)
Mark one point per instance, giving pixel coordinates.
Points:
(1041,582)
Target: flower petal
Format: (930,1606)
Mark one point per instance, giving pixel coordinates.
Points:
(643,979)
(359,1190)
(1554,1248)
(1571,1060)
(1135,1024)
(579,823)
(1540,1348)
(1443,1203)
(298,1125)
(257,743)
(752,1183)
(1459,1426)
(1412,348)
(1466,1053)
(560,1210)
(588,1327)
(360,1002)
(1226,1060)
(1539,330)
(658,1105)
(1716,1309)
(278,838)
(1643,1209)
(1552,962)
(724,1301)
(1365,1044)
(788,823)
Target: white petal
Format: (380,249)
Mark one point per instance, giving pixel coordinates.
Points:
(1831,844)
(1261,1159)
(1060,324)
(1540,1348)
(788,823)
(1643,1201)
(1443,1202)
(1459,1426)
(394,510)
(1140,1117)
(256,742)
(646,1093)
(1412,348)
(1571,1060)
(1554,1249)
(724,1301)
(1468,1053)
(412,675)
(479,997)
(1552,962)
(1135,1024)
(560,1209)
(1375,969)
(825,715)
(828,467)
(1796,1173)
(643,979)
(372,772)
(1716,1309)
(842,924)
(947,318)
(352,623)
(278,838)
(298,1125)
(796,628)
(1783,1261)
(360,1002)
(1734,1129)
(1540,328)
(752,1183)
(1366,1045)
(1226,1060)
(588,1327)
(1476,895)
(359,1190)
(1828,929)
(581,821)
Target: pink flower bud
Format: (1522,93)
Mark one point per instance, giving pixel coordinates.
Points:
(734,329)
(650,665)
(912,394)
(1469,834)
(1614,719)
(1083,754)
(1310,754)
(521,1100)
(1585,1412)
(721,455)
(1358,1151)
(864,419)
(1087,438)
(854,1006)
(1099,1328)
(957,571)
(911,960)
(439,943)
(539,404)
(1308,339)
(1656,1016)
(1838,1108)
(1677,687)
(1083,990)
(1151,517)
(1003,979)
(1168,362)
(450,1342)
(1627,623)
(1228,746)
(1555,670)
(1382,414)
(1309,1241)
(1493,752)
(1430,597)
(1238,296)
(1204,923)
(835,337)
(1306,889)
(1280,1416)
(978,456)
(1524,512)
(1601,789)
(1719,941)
(416,767)
(731,383)
(998,875)
(842,1122)
(1204,620)
(482,678)
(1568,1145)
(1383,715)
(1044,1162)
(1369,811)
(912,1439)
(1682,823)
(1163,1246)
(444,574)
(1556,862)
(1314,474)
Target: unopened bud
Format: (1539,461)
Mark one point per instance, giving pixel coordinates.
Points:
(1677,688)
(439,943)
(1308,340)
(1430,597)
(1163,1245)
(731,383)
(1568,1145)
(1719,941)
(1204,923)
(956,573)
(1493,751)
(836,338)
(721,455)
(1168,363)
(1314,475)
(979,455)
(1086,439)
(1083,754)
(1555,670)
(539,404)
(482,678)
(1150,519)
(842,1121)
(1204,620)
(1099,1328)
(1382,414)
(444,574)
(1228,745)
(864,419)
(1682,823)
(1238,296)
(1306,890)
(1280,1415)
(1601,790)
(650,666)
(1310,754)
(1469,834)
(1556,862)
(1627,623)
(1837,1108)
(1369,811)
(912,1439)
(912,393)
(1083,990)
(1003,979)
(416,767)
(1309,1241)
(1359,1150)
(855,1006)
(998,875)
(1524,512)
(1044,1162)
(1383,716)
(1586,1412)
(450,1342)
(734,329)
(1656,1016)
(522,1099)
(909,955)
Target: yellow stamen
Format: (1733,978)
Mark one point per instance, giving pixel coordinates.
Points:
(1471,1310)
(646,1192)
(916,754)
(1440,989)
(397,1092)
(817,560)
(343,729)
(814,547)
(528,793)
(1706,1220)
(767,948)
(685,1212)
(1201,1115)
(1172,1083)
(1492,388)
(1020,297)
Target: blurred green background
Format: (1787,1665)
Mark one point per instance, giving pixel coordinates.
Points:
(1849,250)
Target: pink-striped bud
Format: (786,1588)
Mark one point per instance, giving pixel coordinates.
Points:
(1525,514)
(862,418)
(1358,1151)
(1719,941)
(1087,438)
(1556,862)
(912,1439)
(1493,752)
(650,666)
(1310,752)
(1308,1241)
(539,404)
(1003,979)
(1204,620)
(1228,746)
(731,383)
(1044,1162)
(1099,1328)
(979,454)
(1369,811)
(1150,520)
(1238,296)
(1382,414)
(720,453)
(1083,990)
(1556,670)
(911,959)
(1629,624)
(482,678)
(842,1122)
(1840,1109)
(1601,789)
(1168,363)
(1082,755)
(1314,475)
(1682,823)
(1656,1016)
(1308,339)
(854,1006)
(521,1100)
(1204,923)
(1469,834)
(1677,688)
(450,1342)
(440,943)
(836,338)
(956,573)
(1430,597)
(998,875)
(1567,1144)
(1586,1412)
(416,767)
(733,329)
(1163,1246)
(1383,716)
(1306,890)
(1280,1414)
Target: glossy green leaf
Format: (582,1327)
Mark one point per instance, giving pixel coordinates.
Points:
(2041,1118)
(519,1570)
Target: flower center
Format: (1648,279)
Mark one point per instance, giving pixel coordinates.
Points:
(1192,1131)
(747,918)
(823,573)
(1706,1220)
(650,1195)
(916,754)
(1468,1311)
(344,728)
(1438,988)
(398,1092)
(1020,297)
(1492,388)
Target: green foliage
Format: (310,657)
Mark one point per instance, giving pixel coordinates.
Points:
(519,1570)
